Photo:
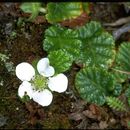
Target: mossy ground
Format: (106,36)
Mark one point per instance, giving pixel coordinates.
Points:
(24,43)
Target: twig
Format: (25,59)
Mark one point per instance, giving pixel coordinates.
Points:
(118,22)
(124,72)
(117,33)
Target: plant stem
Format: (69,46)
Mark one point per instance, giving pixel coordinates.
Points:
(124,72)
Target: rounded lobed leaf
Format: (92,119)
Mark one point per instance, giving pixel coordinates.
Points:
(123,56)
(58,12)
(89,30)
(127,93)
(118,76)
(122,62)
(94,84)
(97,45)
(60,60)
(118,89)
(86,7)
(57,38)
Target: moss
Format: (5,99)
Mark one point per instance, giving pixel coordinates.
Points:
(11,108)
(56,121)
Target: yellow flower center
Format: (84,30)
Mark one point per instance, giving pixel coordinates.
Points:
(39,82)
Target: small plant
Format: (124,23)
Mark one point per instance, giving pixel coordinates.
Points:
(9,65)
(115,103)
(33,9)
(40,86)
(128,124)
(3,57)
(63,11)
(56,12)
(104,69)
(89,44)
(92,46)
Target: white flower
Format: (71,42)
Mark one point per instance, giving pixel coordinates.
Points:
(44,98)
(25,87)
(58,83)
(37,88)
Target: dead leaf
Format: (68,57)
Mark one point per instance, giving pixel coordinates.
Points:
(112,121)
(40,19)
(94,109)
(76,116)
(30,108)
(89,114)
(36,113)
(78,105)
(94,126)
(125,121)
(79,21)
(32,121)
(103,125)
(41,113)
(83,124)
(99,111)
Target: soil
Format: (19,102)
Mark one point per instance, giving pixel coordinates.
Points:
(22,41)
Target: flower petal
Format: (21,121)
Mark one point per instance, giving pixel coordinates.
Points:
(25,88)
(48,72)
(44,98)
(25,71)
(42,65)
(58,83)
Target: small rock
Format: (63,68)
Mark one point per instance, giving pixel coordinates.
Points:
(112,121)
(3,120)
(8,28)
(103,125)
(8,4)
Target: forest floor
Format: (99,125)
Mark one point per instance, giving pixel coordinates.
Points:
(19,43)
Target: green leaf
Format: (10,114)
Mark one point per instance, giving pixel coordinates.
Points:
(25,98)
(94,84)
(86,7)
(32,8)
(98,45)
(89,30)
(116,104)
(61,38)
(58,12)
(127,93)
(60,60)
(118,89)
(119,77)
(122,62)
(123,57)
